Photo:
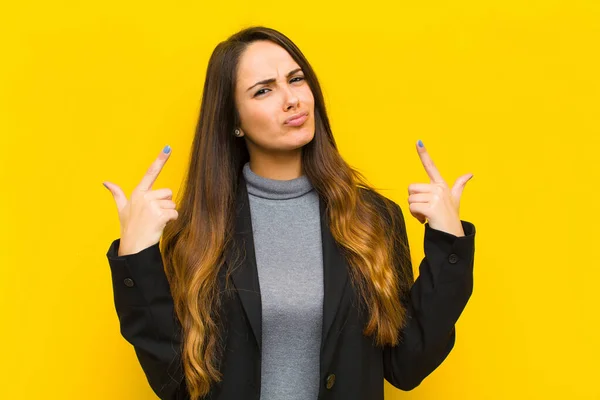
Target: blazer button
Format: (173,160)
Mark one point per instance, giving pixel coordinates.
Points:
(453,258)
(330,381)
(128,282)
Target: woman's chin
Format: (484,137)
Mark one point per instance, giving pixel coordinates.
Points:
(301,136)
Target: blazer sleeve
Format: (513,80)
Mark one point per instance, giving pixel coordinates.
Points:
(147,319)
(434,303)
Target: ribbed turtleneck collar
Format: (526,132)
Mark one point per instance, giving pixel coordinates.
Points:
(273,188)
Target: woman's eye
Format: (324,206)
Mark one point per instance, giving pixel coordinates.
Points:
(262,91)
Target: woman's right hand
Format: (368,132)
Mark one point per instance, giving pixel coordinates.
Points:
(143,217)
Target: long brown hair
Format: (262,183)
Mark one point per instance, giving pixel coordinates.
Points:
(193,246)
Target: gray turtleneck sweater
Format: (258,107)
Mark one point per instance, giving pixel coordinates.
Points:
(287,240)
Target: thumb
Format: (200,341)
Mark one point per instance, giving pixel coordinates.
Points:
(459,185)
(118,194)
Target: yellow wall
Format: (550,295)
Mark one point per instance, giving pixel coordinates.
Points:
(508,90)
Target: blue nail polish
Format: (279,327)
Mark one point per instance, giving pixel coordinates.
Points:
(420,143)
(167,149)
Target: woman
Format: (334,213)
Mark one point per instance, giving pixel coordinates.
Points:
(282,274)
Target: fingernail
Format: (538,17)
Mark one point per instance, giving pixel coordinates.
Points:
(167,149)
(420,143)
(104,185)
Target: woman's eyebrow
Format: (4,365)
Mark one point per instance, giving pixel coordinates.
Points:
(271,80)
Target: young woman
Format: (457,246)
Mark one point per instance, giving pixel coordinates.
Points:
(281,274)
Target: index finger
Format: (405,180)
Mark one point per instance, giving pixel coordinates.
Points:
(427,162)
(154,170)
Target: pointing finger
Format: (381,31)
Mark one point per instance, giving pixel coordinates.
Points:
(427,162)
(154,170)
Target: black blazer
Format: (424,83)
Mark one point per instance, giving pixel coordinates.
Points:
(351,366)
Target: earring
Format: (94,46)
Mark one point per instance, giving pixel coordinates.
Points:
(237,133)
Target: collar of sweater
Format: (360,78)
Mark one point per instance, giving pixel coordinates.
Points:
(273,188)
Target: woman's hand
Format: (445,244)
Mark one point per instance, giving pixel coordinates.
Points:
(144,216)
(435,201)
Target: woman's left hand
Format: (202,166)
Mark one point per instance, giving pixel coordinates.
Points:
(435,201)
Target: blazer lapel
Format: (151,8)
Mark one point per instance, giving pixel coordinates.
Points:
(335,275)
(245,275)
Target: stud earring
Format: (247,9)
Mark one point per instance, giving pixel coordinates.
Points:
(237,133)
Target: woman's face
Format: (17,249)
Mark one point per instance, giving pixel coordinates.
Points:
(264,108)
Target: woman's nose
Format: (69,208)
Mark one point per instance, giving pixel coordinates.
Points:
(291,98)
(291,101)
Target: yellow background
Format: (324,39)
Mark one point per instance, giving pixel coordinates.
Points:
(507,90)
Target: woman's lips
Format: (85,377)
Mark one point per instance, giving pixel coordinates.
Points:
(298,120)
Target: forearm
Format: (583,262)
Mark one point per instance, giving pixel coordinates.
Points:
(146,315)
(434,304)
